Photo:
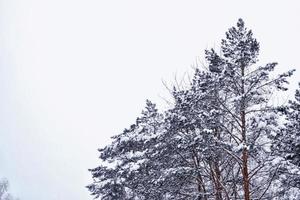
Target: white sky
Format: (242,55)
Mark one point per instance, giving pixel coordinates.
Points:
(75,72)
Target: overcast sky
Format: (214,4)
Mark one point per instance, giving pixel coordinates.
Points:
(75,72)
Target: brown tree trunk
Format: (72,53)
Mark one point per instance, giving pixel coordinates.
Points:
(200,183)
(245,175)
(218,179)
(245,172)
(201,189)
(217,171)
(245,160)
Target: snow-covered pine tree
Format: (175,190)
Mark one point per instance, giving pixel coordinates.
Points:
(4,192)
(127,165)
(293,130)
(213,143)
(244,97)
(190,143)
(287,147)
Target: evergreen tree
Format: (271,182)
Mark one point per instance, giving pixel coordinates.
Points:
(4,193)
(245,94)
(126,161)
(215,142)
(293,127)
(287,147)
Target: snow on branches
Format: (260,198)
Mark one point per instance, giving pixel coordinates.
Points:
(220,140)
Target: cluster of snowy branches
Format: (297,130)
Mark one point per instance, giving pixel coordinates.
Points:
(222,138)
(4,194)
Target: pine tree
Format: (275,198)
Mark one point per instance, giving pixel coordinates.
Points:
(4,193)
(215,142)
(287,147)
(126,161)
(293,127)
(244,97)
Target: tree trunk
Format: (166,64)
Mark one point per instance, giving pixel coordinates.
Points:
(217,171)
(218,183)
(245,175)
(245,172)
(200,183)
(245,161)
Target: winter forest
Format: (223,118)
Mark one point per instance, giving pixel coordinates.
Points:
(221,138)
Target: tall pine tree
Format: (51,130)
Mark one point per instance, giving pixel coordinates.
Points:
(215,142)
(287,147)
